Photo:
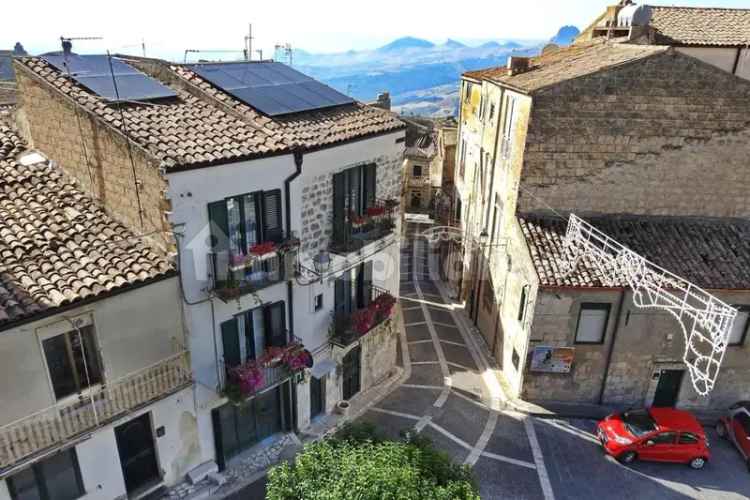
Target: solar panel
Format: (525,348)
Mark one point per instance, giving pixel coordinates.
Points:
(270,87)
(94,73)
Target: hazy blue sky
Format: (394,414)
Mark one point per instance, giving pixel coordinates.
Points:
(169,28)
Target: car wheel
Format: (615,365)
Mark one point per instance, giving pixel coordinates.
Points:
(721,429)
(698,463)
(628,457)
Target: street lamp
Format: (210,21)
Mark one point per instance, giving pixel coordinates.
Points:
(322,262)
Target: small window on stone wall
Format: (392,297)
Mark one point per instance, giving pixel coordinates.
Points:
(515,359)
(592,323)
(318,302)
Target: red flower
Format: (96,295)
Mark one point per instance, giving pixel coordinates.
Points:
(362,320)
(375,211)
(263,248)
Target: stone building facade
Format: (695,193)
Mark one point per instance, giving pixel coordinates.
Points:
(216,182)
(599,129)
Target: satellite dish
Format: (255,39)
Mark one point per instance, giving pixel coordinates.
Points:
(550,47)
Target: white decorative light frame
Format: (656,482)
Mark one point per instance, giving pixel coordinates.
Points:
(705,320)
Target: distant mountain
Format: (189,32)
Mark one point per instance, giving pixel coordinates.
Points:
(453,44)
(407,42)
(565,36)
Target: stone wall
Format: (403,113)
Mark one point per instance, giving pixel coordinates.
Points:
(668,135)
(647,341)
(317,200)
(379,353)
(96,156)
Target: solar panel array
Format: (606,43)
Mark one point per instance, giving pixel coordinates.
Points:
(94,73)
(270,87)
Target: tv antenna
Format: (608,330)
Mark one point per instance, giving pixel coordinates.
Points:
(203,51)
(249,43)
(67,42)
(286,49)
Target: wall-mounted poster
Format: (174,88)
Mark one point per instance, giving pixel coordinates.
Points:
(552,359)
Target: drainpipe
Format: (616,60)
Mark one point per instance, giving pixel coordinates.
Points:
(298,159)
(611,350)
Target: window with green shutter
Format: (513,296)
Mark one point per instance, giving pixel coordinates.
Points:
(354,192)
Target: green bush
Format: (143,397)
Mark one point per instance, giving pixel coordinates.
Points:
(352,466)
(359,432)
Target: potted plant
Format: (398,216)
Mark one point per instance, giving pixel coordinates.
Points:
(384,304)
(272,357)
(343,407)
(244,380)
(362,320)
(262,249)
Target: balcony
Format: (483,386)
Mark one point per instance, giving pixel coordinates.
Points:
(350,327)
(357,231)
(264,265)
(62,422)
(273,367)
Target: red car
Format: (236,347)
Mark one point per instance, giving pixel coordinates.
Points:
(735,426)
(658,434)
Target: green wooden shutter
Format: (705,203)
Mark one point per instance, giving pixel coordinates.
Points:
(219,225)
(367,282)
(249,336)
(370,173)
(272,230)
(339,207)
(230,339)
(274,316)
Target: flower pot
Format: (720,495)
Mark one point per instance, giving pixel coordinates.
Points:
(342,408)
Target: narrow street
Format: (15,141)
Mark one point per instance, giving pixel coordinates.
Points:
(445,396)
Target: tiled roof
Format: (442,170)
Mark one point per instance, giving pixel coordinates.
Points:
(181,132)
(57,247)
(700,26)
(568,63)
(422,146)
(711,253)
(310,129)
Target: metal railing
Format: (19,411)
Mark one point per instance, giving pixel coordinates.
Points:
(344,332)
(57,424)
(358,231)
(234,276)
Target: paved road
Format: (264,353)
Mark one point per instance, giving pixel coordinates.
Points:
(514,456)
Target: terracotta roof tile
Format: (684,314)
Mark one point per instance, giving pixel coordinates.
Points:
(568,63)
(164,129)
(700,26)
(712,253)
(57,247)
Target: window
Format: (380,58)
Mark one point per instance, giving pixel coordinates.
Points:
(492,111)
(687,438)
(508,122)
(245,336)
(318,302)
(515,359)
(353,192)
(55,478)
(664,438)
(72,361)
(462,159)
(240,222)
(740,326)
(467,95)
(417,171)
(522,303)
(592,323)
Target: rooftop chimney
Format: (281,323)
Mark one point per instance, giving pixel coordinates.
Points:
(518,65)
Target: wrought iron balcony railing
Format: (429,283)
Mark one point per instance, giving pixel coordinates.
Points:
(63,422)
(357,231)
(348,327)
(263,265)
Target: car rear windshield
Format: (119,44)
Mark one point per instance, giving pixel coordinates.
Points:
(638,422)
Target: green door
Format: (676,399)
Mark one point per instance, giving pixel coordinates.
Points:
(668,388)
(351,373)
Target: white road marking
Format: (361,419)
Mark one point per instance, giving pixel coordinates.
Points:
(395,413)
(484,438)
(419,386)
(461,367)
(536,451)
(509,460)
(450,342)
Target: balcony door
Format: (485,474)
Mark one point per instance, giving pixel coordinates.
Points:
(353,193)
(353,289)
(351,373)
(135,444)
(245,336)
